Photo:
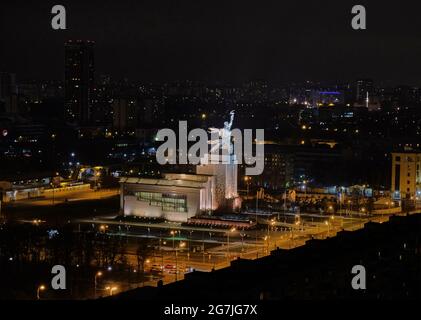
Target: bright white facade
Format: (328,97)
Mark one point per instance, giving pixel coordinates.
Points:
(177,197)
(225,175)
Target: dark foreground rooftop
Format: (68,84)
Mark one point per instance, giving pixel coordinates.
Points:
(390,252)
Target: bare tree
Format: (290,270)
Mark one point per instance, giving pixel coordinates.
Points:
(143,251)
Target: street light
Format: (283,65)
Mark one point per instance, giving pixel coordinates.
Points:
(39,289)
(267,243)
(228,242)
(328,227)
(175,253)
(188,243)
(247,179)
(98,274)
(181,245)
(173,236)
(112,289)
(242,241)
(304,182)
(362,211)
(271,224)
(297,223)
(97,176)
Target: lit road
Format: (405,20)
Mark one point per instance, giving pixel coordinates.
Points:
(53,198)
(205,249)
(66,207)
(213,252)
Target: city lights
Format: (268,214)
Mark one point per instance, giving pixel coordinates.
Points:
(208,152)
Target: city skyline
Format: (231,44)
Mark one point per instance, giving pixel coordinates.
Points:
(236,150)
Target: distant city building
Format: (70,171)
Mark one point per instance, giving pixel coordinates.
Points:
(327,98)
(38,91)
(406,175)
(364,87)
(278,170)
(79,80)
(318,95)
(8,93)
(405,95)
(149,110)
(124,114)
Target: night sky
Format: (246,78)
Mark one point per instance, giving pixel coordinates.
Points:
(212,40)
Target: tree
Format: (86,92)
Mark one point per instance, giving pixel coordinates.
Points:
(143,251)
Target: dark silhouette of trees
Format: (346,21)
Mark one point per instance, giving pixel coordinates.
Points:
(143,251)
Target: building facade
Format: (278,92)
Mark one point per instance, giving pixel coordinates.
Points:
(8,93)
(178,197)
(175,197)
(406,176)
(79,80)
(124,114)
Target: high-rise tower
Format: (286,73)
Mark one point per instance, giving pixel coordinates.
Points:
(79,80)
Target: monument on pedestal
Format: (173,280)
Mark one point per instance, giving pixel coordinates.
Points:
(221,163)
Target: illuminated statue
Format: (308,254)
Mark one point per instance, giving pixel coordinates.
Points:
(221,138)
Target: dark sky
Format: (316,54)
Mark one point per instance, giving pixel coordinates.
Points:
(218,40)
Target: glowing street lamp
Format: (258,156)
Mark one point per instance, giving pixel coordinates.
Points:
(172,232)
(173,237)
(242,241)
(328,227)
(247,181)
(39,289)
(271,224)
(228,241)
(98,274)
(111,289)
(266,240)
